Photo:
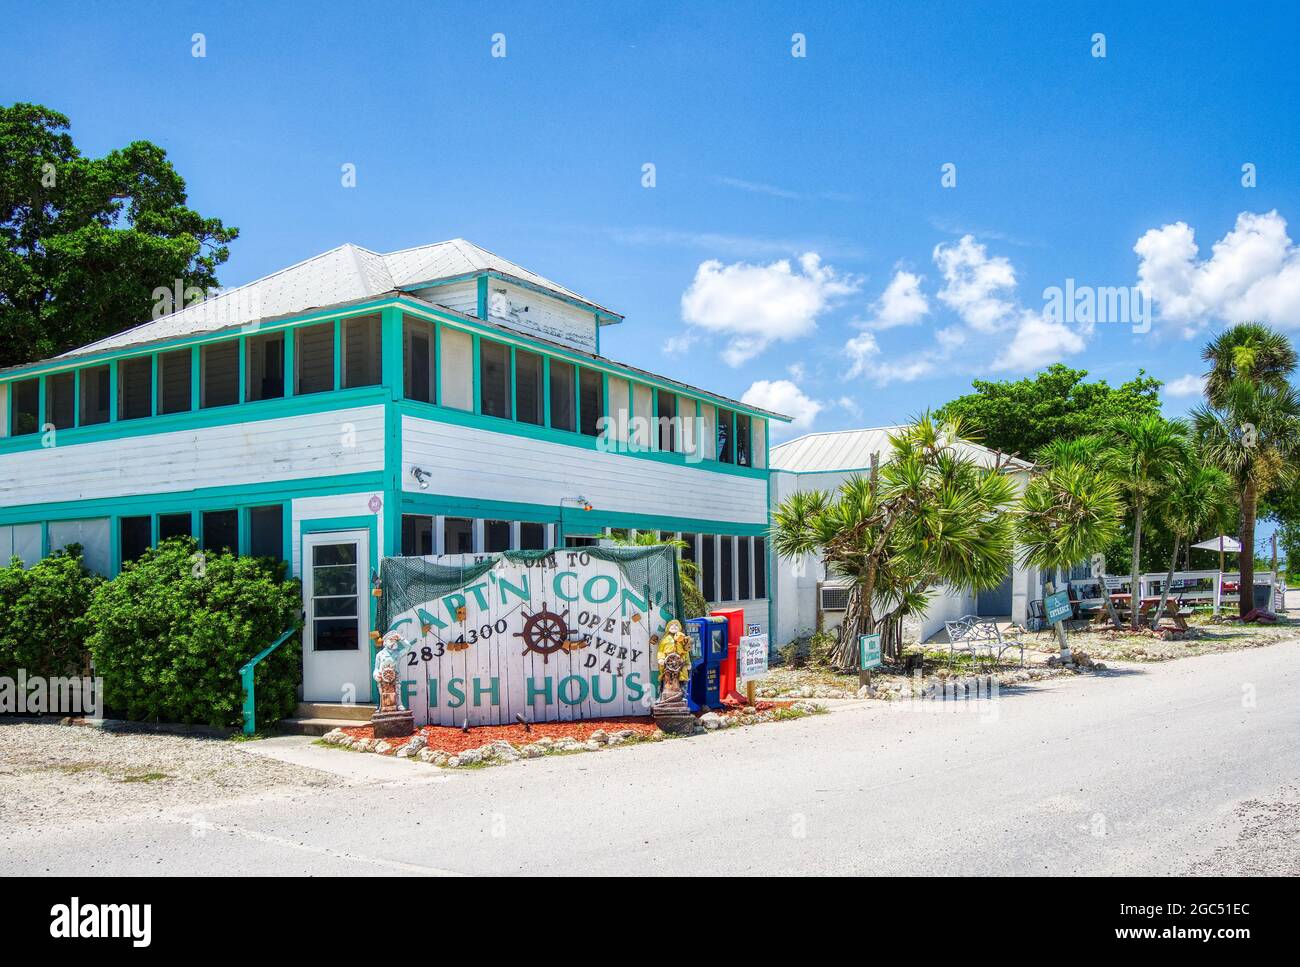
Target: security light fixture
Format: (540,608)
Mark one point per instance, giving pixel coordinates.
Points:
(580,501)
(421,477)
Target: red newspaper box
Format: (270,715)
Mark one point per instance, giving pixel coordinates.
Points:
(735,628)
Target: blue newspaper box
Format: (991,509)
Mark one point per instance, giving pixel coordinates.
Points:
(708,651)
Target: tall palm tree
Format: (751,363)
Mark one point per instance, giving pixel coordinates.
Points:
(1254,437)
(930,513)
(1247,426)
(1145,454)
(1193,500)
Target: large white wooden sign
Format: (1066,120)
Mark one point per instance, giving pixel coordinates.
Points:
(562,638)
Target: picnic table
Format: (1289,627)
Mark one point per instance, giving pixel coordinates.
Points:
(1174,610)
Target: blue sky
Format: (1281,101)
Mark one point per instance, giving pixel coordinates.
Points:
(798,247)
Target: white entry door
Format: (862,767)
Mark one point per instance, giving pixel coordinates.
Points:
(336,599)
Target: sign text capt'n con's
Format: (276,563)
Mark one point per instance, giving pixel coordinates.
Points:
(563,636)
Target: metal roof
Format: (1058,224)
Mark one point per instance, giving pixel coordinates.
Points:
(345,274)
(847,450)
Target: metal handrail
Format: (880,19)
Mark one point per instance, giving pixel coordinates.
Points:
(246,679)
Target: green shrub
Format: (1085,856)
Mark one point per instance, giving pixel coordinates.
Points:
(172,630)
(43,626)
(820,646)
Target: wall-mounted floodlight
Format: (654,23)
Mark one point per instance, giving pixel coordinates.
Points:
(421,476)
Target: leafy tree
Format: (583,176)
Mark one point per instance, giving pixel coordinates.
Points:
(1194,499)
(85,241)
(1022,416)
(928,514)
(1249,426)
(43,625)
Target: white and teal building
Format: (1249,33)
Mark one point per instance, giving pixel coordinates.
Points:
(435,400)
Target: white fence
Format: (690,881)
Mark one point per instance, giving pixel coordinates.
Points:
(1192,587)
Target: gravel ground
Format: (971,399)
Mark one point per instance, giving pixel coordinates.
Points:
(1267,840)
(55,774)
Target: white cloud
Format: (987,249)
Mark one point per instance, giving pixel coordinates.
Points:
(862,351)
(1253,273)
(783,396)
(901,304)
(976,286)
(756,305)
(1038,342)
(1189,385)
(680,344)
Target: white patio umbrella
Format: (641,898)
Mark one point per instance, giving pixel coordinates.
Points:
(1223,542)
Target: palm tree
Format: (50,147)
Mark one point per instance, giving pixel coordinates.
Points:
(1145,454)
(1254,437)
(1194,500)
(688,572)
(1248,426)
(930,513)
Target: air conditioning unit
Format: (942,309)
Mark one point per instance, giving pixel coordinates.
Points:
(834,597)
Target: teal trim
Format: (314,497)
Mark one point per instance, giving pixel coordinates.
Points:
(476,375)
(114,545)
(112,392)
(153,385)
(202,418)
(392,372)
(290,378)
(243,369)
(246,676)
(42,414)
(207,498)
(196,379)
(482,297)
(546,392)
(437,362)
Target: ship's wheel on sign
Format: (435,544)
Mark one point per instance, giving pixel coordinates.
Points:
(545,632)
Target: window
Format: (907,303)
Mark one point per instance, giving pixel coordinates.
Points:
(94,536)
(266,531)
(135,388)
(264,366)
(221,530)
(494,379)
(529,406)
(173,525)
(25,400)
(135,534)
(361,352)
(219,374)
(94,395)
(580,542)
(417,535)
(496,536)
(760,567)
(745,562)
(174,378)
(562,396)
(724,436)
(61,400)
(708,567)
(456,369)
(313,358)
(667,421)
(419,360)
(532,537)
(688,553)
(592,405)
(743,451)
(457,535)
(728,591)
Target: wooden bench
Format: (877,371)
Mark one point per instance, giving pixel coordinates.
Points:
(975,634)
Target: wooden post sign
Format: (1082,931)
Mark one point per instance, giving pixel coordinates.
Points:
(560,638)
(751,663)
(1058,607)
(868,656)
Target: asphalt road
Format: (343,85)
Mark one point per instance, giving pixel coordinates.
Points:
(1187,767)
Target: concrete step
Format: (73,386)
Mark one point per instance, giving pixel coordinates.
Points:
(333,710)
(314,726)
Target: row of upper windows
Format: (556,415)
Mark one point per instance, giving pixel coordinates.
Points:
(512,384)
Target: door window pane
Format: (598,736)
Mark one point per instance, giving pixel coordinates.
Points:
(135,388)
(335,589)
(494,379)
(418,360)
(361,353)
(266,531)
(417,535)
(727,591)
(174,378)
(496,536)
(135,535)
(745,563)
(265,366)
(61,400)
(24,401)
(221,530)
(94,395)
(562,390)
(336,634)
(528,387)
(457,535)
(313,358)
(708,567)
(532,537)
(219,374)
(173,525)
(592,406)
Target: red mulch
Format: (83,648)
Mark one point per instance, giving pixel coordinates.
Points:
(449,739)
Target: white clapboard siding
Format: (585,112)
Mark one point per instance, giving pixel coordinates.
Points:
(287,448)
(481,464)
(460,296)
